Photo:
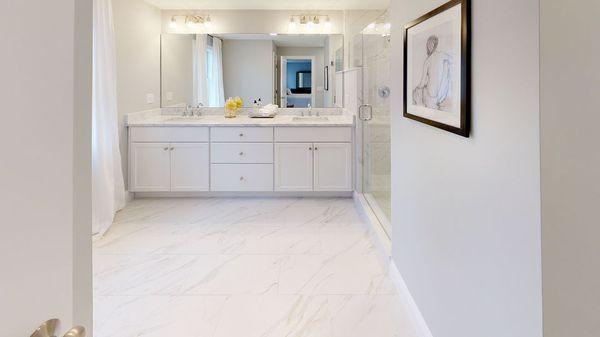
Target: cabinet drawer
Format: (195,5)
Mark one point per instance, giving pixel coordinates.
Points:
(255,153)
(241,134)
(241,177)
(313,134)
(168,134)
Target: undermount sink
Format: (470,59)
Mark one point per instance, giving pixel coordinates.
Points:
(310,119)
(184,118)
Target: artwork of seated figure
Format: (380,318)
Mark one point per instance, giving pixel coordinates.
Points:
(434,88)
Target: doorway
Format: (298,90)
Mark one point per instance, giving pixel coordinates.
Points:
(297,85)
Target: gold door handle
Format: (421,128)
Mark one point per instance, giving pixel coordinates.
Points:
(51,328)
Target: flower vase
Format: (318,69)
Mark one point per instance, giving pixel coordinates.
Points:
(230,113)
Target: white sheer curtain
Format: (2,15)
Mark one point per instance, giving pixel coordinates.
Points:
(216,93)
(108,188)
(200,83)
(208,71)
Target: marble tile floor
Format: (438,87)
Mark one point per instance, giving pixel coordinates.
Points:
(242,267)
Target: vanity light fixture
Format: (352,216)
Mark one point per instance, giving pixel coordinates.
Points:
(191,21)
(309,20)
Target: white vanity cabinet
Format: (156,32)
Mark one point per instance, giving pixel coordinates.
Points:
(313,159)
(168,159)
(240,159)
(189,167)
(332,166)
(293,166)
(149,167)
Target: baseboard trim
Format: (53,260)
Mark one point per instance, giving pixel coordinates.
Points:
(139,195)
(384,249)
(416,318)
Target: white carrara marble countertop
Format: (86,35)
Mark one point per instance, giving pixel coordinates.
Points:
(212,120)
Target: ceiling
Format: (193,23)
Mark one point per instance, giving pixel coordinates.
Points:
(271,4)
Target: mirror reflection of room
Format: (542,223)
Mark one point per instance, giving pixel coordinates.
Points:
(291,71)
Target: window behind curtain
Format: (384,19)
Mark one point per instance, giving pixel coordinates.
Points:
(211,77)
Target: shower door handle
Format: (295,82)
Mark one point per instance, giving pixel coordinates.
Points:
(362,112)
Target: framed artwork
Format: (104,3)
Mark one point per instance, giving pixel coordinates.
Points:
(437,68)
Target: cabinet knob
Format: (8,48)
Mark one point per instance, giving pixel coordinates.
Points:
(241,135)
(241,153)
(316,148)
(241,178)
(310,148)
(166,149)
(172,148)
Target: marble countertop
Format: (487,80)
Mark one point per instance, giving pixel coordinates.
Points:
(214,120)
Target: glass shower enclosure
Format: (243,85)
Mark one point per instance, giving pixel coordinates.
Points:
(371,54)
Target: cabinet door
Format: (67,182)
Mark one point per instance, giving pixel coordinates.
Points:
(150,167)
(293,167)
(333,166)
(189,167)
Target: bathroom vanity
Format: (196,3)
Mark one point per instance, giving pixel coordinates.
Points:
(281,155)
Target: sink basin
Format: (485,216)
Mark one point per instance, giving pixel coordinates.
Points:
(310,119)
(184,118)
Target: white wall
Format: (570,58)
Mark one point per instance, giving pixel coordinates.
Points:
(570,80)
(466,211)
(251,22)
(248,70)
(137,29)
(45,247)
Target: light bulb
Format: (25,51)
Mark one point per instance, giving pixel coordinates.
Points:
(292,25)
(173,23)
(327,26)
(207,22)
(190,24)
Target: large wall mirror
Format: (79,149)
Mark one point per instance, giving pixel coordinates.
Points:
(294,71)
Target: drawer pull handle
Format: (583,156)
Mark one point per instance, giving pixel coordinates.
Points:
(241,153)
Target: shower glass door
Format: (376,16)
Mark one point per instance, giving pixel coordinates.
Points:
(373,44)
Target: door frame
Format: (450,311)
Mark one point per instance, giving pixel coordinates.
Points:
(283,78)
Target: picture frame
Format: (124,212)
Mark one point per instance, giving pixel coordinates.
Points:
(437,68)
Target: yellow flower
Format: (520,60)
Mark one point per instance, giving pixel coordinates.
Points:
(231,104)
(239,102)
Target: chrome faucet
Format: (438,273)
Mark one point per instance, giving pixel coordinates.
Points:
(187,110)
(199,112)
